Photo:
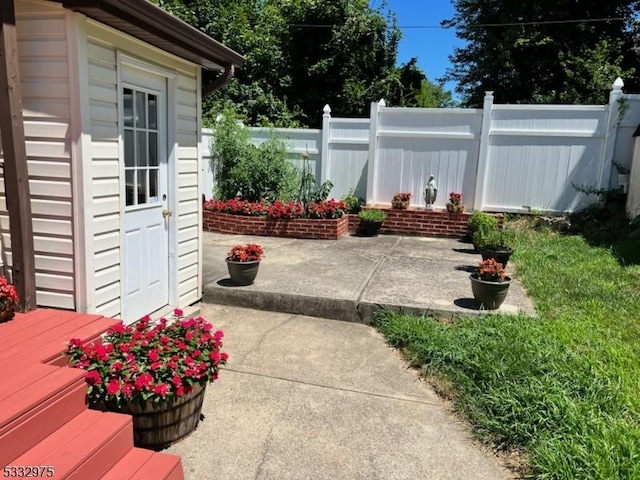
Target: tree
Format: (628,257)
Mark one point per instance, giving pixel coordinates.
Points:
(303,54)
(566,62)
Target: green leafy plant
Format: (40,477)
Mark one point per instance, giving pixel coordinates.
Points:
(482,220)
(353,203)
(308,191)
(493,239)
(244,170)
(372,215)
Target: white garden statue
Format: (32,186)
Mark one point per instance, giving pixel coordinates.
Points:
(430,193)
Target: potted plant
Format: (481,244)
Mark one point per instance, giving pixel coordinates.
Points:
(455,205)
(401,200)
(479,220)
(494,243)
(353,203)
(370,221)
(243,262)
(8,300)
(490,284)
(156,372)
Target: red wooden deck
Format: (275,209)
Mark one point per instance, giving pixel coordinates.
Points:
(44,420)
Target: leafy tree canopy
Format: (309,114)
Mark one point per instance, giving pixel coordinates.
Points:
(303,54)
(568,62)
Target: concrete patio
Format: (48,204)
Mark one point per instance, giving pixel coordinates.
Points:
(350,278)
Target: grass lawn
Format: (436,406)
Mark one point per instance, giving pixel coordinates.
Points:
(563,388)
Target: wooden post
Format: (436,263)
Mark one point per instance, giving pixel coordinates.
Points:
(16,177)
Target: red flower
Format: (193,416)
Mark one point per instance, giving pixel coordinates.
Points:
(93,378)
(161,390)
(114,387)
(178,312)
(143,381)
(250,252)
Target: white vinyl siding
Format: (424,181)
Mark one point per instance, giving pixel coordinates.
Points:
(44,71)
(103,45)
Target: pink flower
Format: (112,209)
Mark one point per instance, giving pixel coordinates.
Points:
(178,312)
(161,390)
(93,378)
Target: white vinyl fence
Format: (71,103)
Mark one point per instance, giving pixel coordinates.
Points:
(510,158)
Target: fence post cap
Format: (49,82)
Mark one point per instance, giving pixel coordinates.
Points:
(488,93)
(382,103)
(618,84)
(327,109)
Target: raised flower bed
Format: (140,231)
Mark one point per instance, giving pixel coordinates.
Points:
(316,220)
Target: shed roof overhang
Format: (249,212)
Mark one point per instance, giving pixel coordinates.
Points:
(148,22)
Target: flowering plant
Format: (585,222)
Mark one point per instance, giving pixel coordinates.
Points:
(149,362)
(8,294)
(455,198)
(236,206)
(250,252)
(491,271)
(326,209)
(279,209)
(402,197)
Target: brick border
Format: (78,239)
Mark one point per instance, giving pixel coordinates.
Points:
(412,221)
(320,229)
(423,223)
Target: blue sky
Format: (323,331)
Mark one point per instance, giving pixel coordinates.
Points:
(432,46)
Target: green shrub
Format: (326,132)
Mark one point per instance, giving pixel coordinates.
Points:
(372,215)
(250,172)
(493,239)
(353,203)
(482,220)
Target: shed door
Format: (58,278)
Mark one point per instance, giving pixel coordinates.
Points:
(145,237)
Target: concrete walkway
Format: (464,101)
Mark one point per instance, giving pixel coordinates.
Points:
(308,398)
(350,278)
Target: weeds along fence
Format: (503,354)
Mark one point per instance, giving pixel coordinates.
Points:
(509,158)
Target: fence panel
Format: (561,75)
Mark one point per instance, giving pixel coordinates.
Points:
(536,152)
(414,143)
(347,156)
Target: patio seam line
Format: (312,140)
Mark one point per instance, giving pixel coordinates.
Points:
(375,270)
(290,318)
(341,389)
(267,443)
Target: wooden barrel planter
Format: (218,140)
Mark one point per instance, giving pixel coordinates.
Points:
(158,425)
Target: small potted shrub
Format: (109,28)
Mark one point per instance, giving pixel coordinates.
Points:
(455,205)
(490,284)
(8,300)
(494,243)
(155,372)
(401,200)
(370,221)
(243,262)
(481,221)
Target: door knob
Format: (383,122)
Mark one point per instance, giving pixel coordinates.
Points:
(166,213)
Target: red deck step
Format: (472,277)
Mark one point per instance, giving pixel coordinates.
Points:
(84,448)
(30,414)
(141,464)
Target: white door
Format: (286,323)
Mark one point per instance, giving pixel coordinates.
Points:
(145,201)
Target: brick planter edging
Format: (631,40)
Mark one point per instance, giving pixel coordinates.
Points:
(424,223)
(320,229)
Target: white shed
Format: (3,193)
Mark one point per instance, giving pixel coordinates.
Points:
(111,100)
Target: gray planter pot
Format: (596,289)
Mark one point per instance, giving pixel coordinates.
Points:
(368,229)
(501,256)
(490,294)
(243,273)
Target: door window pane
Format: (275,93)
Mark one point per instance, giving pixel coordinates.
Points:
(153,149)
(127,101)
(130,180)
(129,149)
(142,149)
(153,185)
(153,112)
(142,186)
(141,110)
